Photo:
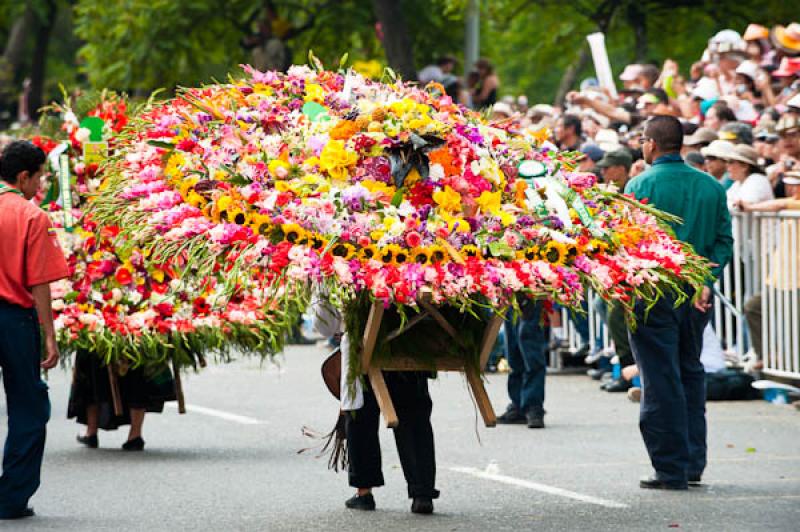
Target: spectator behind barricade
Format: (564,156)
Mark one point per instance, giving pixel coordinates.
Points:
(752,86)
(786,284)
(718,115)
(717,155)
(750,185)
(759,48)
(765,142)
(615,167)
(698,140)
(484,93)
(568,132)
(788,128)
(653,102)
(522,103)
(636,77)
(695,159)
(787,39)
(436,72)
(501,111)
(727,50)
(590,154)
(592,122)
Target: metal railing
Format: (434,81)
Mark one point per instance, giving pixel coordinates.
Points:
(765,263)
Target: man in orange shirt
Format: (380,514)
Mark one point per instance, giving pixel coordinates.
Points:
(30,259)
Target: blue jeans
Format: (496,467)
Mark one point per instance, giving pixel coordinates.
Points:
(526,347)
(672,416)
(28,407)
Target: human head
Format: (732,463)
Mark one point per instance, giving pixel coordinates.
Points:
(701,138)
(791,181)
(591,154)
(568,129)
(696,160)
(717,154)
(648,75)
(737,132)
(663,134)
(22,166)
(447,63)
(717,115)
(484,67)
(788,128)
(743,162)
(615,167)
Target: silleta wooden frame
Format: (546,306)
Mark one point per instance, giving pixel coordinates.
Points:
(374,369)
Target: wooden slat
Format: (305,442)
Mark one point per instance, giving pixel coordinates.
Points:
(371,334)
(443,323)
(381,392)
(481,398)
(179,387)
(489,338)
(410,323)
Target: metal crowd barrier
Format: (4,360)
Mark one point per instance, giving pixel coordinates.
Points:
(765,262)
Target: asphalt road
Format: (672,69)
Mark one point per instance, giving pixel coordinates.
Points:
(236,467)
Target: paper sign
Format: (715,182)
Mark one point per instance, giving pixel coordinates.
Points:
(65,193)
(602,68)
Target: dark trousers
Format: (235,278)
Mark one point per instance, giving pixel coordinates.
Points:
(526,347)
(618,329)
(413,436)
(672,418)
(28,407)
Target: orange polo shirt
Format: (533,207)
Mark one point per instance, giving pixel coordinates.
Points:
(29,251)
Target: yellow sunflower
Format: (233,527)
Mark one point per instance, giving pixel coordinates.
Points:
(236,216)
(437,253)
(470,250)
(529,253)
(260,223)
(555,252)
(317,241)
(368,253)
(387,254)
(294,234)
(344,250)
(420,256)
(401,256)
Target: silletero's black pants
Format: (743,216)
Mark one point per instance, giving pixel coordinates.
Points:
(413,436)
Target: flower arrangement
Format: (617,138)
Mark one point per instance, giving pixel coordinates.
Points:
(123,308)
(327,179)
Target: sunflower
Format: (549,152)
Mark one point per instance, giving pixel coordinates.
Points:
(294,234)
(555,252)
(260,223)
(470,250)
(401,256)
(437,253)
(420,256)
(387,254)
(196,200)
(529,253)
(317,242)
(236,216)
(368,253)
(344,250)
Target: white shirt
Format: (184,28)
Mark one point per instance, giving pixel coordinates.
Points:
(754,189)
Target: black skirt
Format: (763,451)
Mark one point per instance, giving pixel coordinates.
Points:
(139,388)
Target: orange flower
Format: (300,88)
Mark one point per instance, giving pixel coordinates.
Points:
(344,130)
(442,156)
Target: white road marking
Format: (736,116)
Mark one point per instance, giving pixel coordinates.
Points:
(544,488)
(244,420)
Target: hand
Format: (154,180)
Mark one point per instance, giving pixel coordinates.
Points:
(51,350)
(670,68)
(703,303)
(576,98)
(637,168)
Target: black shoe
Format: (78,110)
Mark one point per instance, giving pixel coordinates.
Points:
(512,416)
(535,419)
(136,444)
(597,374)
(89,441)
(617,385)
(654,483)
(27,512)
(695,480)
(361,502)
(422,505)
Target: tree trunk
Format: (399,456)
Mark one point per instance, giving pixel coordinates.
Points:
(638,21)
(571,75)
(44,29)
(396,39)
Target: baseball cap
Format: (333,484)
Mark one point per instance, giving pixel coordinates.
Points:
(620,157)
(593,151)
(631,72)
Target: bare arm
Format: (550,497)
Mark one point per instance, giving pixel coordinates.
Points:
(604,108)
(774,205)
(41,299)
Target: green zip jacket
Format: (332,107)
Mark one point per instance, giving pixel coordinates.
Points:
(675,187)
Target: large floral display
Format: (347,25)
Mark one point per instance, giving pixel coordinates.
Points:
(116,304)
(360,189)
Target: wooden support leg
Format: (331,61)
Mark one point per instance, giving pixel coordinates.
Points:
(489,338)
(381,392)
(179,387)
(116,399)
(481,397)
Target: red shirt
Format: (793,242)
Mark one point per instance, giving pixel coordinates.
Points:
(29,251)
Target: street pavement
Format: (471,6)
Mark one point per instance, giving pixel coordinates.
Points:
(232,463)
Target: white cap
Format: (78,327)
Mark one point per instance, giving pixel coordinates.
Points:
(706,89)
(541,109)
(502,108)
(607,140)
(748,68)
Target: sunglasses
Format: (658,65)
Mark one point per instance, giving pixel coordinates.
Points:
(642,140)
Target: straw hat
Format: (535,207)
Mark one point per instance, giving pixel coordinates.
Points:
(787,38)
(755,32)
(721,149)
(744,153)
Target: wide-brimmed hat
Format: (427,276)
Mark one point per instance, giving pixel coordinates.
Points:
(791,177)
(727,41)
(787,38)
(755,32)
(748,68)
(703,135)
(790,66)
(721,149)
(787,123)
(745,154)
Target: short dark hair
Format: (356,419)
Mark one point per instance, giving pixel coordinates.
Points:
(666,131)
(724,112)
(651,72)
(573,121)
(20,156)
(445,60)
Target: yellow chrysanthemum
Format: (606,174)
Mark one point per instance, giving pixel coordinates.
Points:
(336,159)
(314,93)
(448,199)
(489,201)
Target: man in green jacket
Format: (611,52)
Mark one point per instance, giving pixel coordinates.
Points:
(667,343)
